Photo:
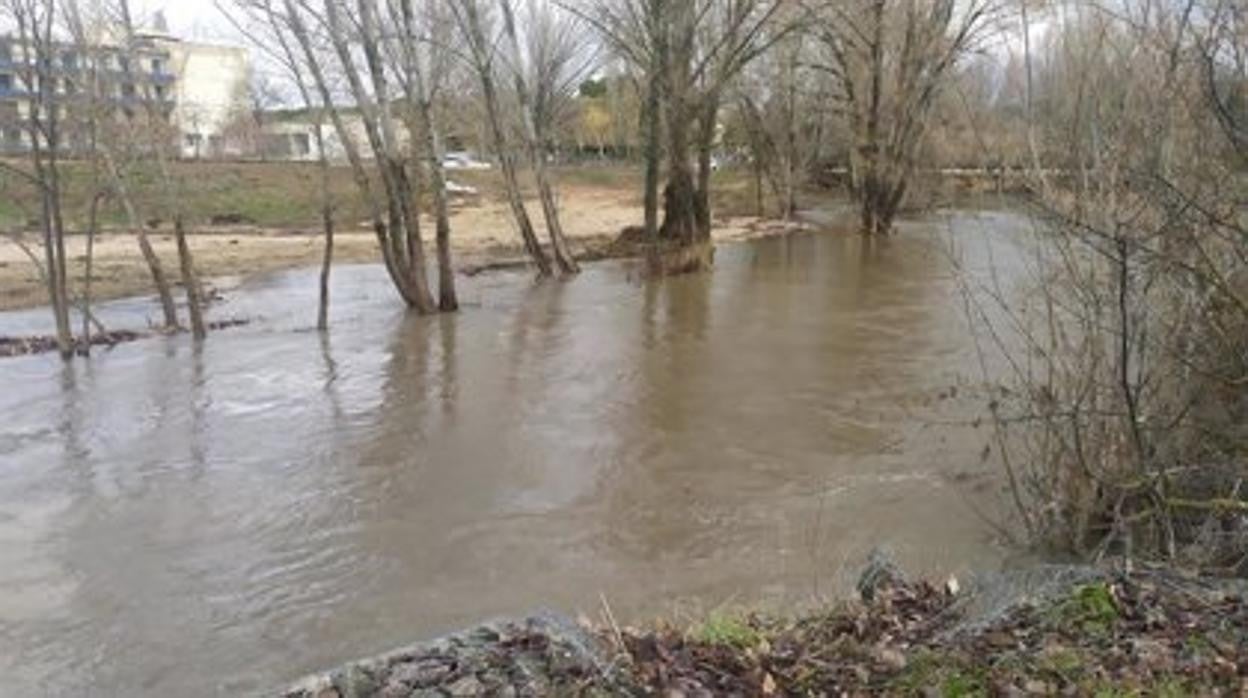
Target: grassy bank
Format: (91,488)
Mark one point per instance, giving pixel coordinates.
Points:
(1056,631)
(285,195)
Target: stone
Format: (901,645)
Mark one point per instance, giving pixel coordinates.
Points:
(420,673)
(467,686)
(1034,687)
(395,689)
(890,657)
(358,682)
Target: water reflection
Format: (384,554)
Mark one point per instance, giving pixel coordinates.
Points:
(181,521)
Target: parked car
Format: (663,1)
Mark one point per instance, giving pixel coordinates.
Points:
(463,161)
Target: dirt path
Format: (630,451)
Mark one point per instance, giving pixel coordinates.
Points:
(482,232)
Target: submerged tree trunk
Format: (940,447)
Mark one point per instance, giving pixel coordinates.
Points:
(154,265)
(405,220)
(93,227)
(448,300)
(420,94)
(327,224)
(194,299)
(533,144)
(43,138)
(468,15)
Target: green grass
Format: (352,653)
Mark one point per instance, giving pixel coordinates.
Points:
(963,685)
(1090,608)
(726,630)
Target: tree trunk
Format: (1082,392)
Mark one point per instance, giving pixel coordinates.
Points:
(706,144)
(50,201)
(653,117)
(404,220)
(159,280)
(448,302)
(327,224)
(680,198)
(194,300)
(419,94)
(875,220)
(93,226)
(154,266)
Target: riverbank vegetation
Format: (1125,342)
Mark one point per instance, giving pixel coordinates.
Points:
(1080,632)
(1121,421)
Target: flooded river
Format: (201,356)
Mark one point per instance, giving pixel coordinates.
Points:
(176,522)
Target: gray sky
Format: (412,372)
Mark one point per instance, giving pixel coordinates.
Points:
(189,19)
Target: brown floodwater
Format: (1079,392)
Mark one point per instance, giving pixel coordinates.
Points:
(182,522)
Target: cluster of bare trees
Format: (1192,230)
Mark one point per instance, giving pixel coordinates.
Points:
(396,58)
(687,55)
(86,99)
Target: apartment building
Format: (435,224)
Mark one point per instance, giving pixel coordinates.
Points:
(195,88)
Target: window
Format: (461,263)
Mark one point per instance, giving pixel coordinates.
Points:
(158,66)
(127,91)
(302,145)
(70,61)
(6,51)
(160,92)
(6,83)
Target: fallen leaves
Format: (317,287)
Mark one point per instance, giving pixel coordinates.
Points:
(1139,631)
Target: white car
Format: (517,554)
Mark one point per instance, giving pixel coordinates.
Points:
(463,161)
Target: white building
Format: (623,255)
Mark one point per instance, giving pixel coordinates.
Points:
(211,91)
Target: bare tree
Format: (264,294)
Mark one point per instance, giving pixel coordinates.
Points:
(156,143)
(892,58)
(424,64)
(395,215)
(636,31)
(698,47)
(262,22)
(554,49)
(471,17)
(35,22)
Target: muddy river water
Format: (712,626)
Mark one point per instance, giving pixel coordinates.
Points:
(182,522)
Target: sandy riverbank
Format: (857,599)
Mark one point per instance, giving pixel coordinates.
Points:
(482,233)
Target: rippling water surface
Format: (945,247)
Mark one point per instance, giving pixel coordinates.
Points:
(183,522)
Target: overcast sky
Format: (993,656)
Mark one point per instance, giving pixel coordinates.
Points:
(189,19)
